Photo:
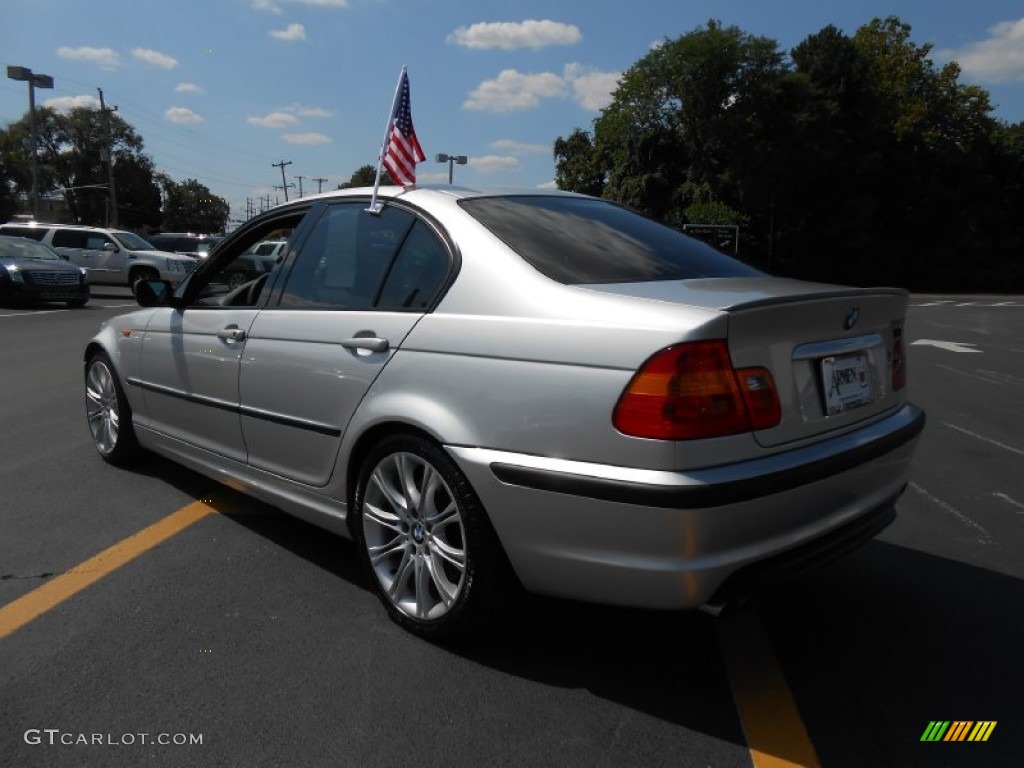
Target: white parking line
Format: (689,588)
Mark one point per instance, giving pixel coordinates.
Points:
(1013,502)
(41,312)
(984,537)
(967,373)
(975,435)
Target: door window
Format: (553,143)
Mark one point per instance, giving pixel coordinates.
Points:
(358,260)
(238,276)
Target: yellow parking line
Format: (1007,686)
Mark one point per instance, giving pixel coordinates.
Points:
(775,733)
(14,616)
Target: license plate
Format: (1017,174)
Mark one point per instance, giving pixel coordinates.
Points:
(846,382)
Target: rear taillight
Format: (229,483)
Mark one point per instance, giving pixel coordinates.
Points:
(691,391)
(899,360)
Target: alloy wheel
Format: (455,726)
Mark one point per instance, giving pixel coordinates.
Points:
(415,536)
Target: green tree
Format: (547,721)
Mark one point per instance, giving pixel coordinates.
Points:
(189,206)
(855,159)
(71,151)
(687,115)
(365,176)
(138,194)
(577,165)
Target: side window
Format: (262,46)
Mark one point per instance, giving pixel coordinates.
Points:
(238,277)
(95,242)
(70,238)
(345,259)
(33,233)
(418,272)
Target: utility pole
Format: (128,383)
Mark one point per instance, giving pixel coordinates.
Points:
(300,178)
(285,188)
(319,185)
(284,183)
(112,199)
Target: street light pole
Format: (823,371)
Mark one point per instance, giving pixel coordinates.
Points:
(34,81)
(451,160)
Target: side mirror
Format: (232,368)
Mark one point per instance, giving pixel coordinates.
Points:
(154,293)
(64,256)
(111,247)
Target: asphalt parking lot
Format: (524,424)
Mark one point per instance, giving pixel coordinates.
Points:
(190,611)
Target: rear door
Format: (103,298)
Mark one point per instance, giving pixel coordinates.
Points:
(355,290)
(101,256)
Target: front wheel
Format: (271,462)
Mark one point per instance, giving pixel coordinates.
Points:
(140,274)
(426,542)
(108,413)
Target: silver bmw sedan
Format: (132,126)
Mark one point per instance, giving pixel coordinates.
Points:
(489,391)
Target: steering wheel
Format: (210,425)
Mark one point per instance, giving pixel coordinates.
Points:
(252,292)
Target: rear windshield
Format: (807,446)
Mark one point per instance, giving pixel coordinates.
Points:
(582,240)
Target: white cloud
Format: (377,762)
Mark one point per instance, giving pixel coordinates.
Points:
(182,115)
(65,103)
(188,88)
(432,177)
(303,111)
(274,120)
(998,58)
(494,163)
(510,35)
(290,33)
(155,58)
(519,147)
(309,139)
(548,185)
(264,5)
(107,58)
(513,90)
(592,88)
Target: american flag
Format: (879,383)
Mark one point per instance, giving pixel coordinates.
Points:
(404,149)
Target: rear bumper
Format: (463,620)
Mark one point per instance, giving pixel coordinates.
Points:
(672,539)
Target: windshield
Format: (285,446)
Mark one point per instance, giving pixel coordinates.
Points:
(18,248)
(132,242)
(582,240)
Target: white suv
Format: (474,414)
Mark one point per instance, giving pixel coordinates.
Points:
(110,256)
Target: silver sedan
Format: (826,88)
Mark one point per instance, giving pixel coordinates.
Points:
(544,390)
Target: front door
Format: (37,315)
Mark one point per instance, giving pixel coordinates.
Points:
(188,374)
(190,354)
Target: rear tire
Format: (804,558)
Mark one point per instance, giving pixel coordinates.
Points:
(426,542)
(108,413)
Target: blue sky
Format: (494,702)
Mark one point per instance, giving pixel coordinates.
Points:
(221,89)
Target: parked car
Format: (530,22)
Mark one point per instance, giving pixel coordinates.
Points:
(110,256)
(31,271)
(542,389)
(185,243)
(258,260)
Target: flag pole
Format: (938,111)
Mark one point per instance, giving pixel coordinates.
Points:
(374,205)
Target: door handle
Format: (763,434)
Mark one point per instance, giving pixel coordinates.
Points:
(231,335)
(369,343)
